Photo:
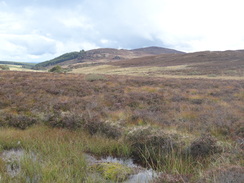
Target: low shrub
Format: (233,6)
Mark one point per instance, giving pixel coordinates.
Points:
(62,106)
(110,130)
(228,174)
(4,67)
(148,142)
(94,126)
(19,121)
(57,69)
(204,146)
(95,77)
(240,142)
(240,132)
(65,120)
(197,101)
(170,178)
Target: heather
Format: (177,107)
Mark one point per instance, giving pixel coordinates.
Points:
(182,128)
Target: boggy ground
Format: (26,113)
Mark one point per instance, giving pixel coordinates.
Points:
(188,129)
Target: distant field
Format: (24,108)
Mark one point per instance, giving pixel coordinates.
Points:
(177,71)
(174,71)
(20,68)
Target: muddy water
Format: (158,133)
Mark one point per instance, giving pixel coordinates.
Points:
(141,175)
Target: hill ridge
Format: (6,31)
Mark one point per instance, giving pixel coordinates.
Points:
(104,54)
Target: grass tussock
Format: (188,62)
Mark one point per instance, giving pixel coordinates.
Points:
(57,153)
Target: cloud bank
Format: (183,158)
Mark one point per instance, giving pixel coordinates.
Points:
(38,30)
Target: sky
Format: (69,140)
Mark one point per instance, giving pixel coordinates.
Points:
(39,30)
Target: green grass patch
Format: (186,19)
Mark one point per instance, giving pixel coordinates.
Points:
(58,153)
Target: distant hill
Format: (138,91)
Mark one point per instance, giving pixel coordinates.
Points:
(103,55)
(204,57)
(58,60)
(16,63)
(198,63)
(23,64)
(156,50)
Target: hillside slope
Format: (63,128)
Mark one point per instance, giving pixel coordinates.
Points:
(104,55)
(215,64)
(201,62)
(58,60)
(205,57)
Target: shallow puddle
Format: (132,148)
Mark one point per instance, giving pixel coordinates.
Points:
(141,175)
(12,158)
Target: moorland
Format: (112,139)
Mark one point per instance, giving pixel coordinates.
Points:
(178,114)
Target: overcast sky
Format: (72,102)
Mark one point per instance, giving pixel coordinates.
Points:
(38,30)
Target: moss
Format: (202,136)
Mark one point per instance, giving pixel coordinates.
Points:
(113,171)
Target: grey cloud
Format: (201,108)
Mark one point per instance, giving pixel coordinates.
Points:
(76,25)
(48,28)
(82,24)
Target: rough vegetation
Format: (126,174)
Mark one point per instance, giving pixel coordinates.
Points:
(228,174)
(4,67)
(216,63)
(203,146)
(156,121)
(171,178)
(148,142)
(57,69)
